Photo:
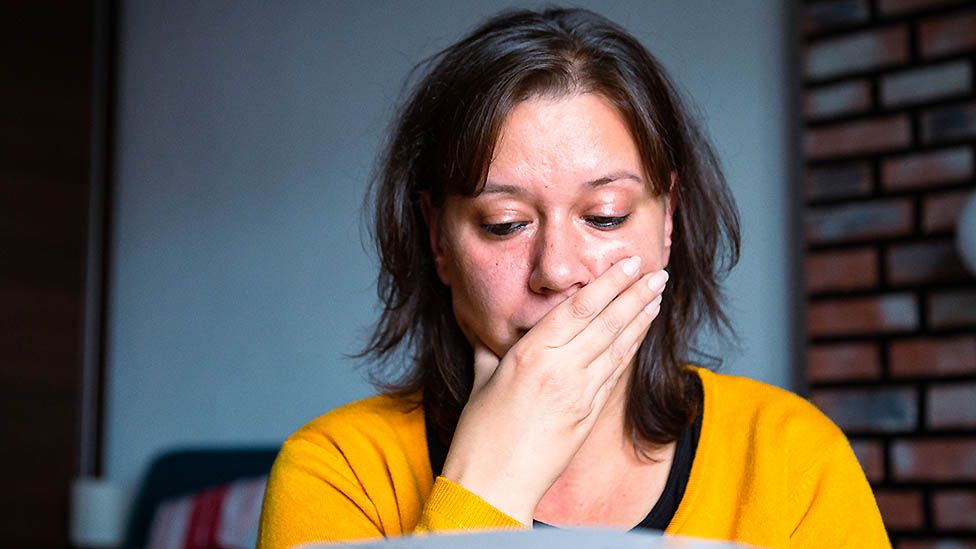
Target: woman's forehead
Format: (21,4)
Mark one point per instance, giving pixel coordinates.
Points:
(573,139)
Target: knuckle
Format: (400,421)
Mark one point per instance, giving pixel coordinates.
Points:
(612,323)
(527,357)
(580,307)
(617,353)
(580,408)
(617,375)
(548,378)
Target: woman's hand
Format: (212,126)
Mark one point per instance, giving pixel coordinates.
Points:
(530,412)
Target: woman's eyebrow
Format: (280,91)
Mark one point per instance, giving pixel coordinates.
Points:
(493,187)
(615,176)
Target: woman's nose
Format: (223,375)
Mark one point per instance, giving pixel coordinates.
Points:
(558,259)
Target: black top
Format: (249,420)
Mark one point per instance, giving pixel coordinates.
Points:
(663,511)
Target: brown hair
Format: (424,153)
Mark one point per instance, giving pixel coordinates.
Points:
(442,144)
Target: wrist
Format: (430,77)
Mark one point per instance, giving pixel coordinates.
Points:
(495,490)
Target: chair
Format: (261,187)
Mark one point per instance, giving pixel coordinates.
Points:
(185,471)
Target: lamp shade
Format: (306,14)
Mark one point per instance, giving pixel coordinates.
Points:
(966,234)
(97,513)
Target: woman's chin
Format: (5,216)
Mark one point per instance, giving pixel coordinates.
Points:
(501,345)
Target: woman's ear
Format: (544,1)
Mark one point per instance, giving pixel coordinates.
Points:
(433,220)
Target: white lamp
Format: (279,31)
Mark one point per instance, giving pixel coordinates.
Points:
(966,234)
(97,513)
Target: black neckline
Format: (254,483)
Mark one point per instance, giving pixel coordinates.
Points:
(674,489)
(684,456)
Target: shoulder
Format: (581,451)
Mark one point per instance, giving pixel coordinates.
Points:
(378,419)
(375,411)
(751,400)
(369,435)
(348,474)
(769,414)
(784,465)
(357,448)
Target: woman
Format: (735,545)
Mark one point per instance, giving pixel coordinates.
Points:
(540,179)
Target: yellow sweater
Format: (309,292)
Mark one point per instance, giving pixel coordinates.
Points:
(770,470)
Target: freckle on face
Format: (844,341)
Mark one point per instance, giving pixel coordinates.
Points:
(548,149)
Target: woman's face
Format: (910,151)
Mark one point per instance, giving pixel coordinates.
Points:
(565,199)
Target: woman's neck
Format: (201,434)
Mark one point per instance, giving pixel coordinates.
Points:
(610,445)
(610,434)
(608,480)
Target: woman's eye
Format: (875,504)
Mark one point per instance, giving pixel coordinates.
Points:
(503,229)
(606,222)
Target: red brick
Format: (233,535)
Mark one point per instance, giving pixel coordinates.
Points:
(895,7)
(856,52)
(926,84)
(866,315)
(833,14)
(842,270)
(947,34)
(901,510)
(870,455)
(838,181)
(952,309)
(860,137)
(926,169)
(942,210)
(952,406)
(837,99)
(949,123)
(843,361)
(876,410)
(927,261)
(955,509)
(859,221)
(933,356)
(936,544)
(935,460)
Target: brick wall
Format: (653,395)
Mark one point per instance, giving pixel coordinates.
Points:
(890,135)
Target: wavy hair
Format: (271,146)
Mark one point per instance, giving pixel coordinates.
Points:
(442,143)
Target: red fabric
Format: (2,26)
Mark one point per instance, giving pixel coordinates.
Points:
(205,519)
(216,518)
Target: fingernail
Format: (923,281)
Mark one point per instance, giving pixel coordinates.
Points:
(656,282)
(631,265)
(653,306)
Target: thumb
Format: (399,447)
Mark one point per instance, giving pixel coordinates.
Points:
(485,363)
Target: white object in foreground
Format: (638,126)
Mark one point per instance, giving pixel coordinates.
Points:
(540,538)
(96,513)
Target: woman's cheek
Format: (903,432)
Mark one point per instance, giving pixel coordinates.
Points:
(605,253)
(487,294)
(497,285)
(640,239)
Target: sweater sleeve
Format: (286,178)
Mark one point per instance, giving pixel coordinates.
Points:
(832,504)
(452,507)
(319,490)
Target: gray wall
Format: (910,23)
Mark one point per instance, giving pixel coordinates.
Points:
(246,135)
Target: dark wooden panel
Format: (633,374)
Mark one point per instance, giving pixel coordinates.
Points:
(42,212)
(45,155)
(41,342)
(39,445)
